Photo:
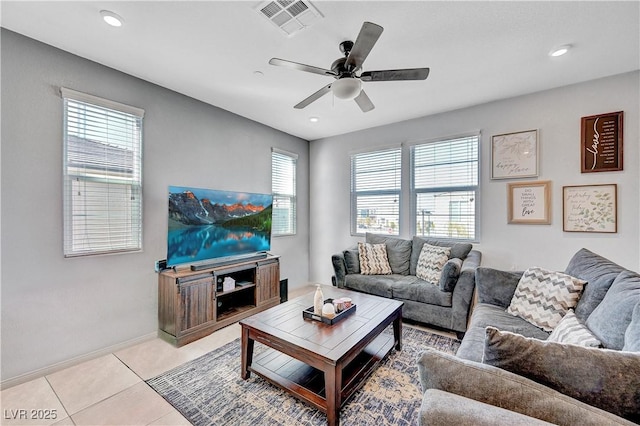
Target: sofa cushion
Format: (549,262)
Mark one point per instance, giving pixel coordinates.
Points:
(571,330)
(373,259)
(431,262)
(378,285)
(599,274)
(450,274)
(459,250)
(501,388)
(485,315)
(632,335)
(609,321)
(543,297)
(420,291)
(352,261)
(604,378)
(398,251)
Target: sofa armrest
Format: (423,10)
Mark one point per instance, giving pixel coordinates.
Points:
(496,287)
(444,408)
(339,268)
(501,388)
(462,296)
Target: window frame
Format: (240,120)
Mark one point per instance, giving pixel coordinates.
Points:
(476,189)
(293,198)
(398,152)
(126,182)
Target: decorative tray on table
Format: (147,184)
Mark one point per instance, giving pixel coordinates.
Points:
(308,314)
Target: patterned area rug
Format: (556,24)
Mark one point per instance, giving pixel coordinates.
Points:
(209,390)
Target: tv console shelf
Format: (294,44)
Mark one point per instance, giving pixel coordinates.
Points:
(192,303)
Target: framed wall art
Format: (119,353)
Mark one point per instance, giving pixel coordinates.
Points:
(529,202)
(601,143)
(514,155)
(590,208)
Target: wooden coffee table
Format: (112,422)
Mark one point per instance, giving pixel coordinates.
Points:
(318,363)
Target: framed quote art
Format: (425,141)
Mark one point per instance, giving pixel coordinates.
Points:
(601,142)
(514,155)
(590,208)
(529,202)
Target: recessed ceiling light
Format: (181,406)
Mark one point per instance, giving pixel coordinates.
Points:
(559,51)
(258,74)
(314,119)
(111,18)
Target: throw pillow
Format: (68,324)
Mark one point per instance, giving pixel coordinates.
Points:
(570,330)
(632,335)
(604,378)
(431,262)
(373,259)
(450,274)
(609,321)
(352,261)
(398,251)
(543,297)
(459,250)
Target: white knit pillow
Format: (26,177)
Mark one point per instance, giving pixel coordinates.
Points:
(431,262)
(373,259)
(543,297)
(570,330)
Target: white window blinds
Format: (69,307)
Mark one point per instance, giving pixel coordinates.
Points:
(283,187)
(102,175)
(445,187)
(375,192)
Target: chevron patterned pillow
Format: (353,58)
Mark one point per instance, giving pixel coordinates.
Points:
(570,330)
(543,297)
(431,262)
(373,259)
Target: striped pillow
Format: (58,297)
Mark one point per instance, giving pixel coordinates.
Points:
(543,297)
(570,330)
(431,262)
(373,259)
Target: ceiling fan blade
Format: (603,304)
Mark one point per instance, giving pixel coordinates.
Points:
(364,102)
(369,34)
(301,67)
(392,75)
(320,93)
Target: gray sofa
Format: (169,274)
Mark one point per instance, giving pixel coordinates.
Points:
(446,305)
(505,372)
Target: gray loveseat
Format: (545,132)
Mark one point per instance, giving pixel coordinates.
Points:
(446,305)
(505,372)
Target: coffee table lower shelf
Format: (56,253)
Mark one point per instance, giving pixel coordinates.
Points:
(308,383)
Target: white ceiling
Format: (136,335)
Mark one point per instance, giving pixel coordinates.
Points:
(477,51)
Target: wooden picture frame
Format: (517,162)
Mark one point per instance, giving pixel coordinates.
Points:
(590,208)
(529,202)
(601,143)
(514,155)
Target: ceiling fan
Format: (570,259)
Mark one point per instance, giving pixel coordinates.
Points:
(348,84)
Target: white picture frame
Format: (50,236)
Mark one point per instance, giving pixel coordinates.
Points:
(514,155)
(590,208)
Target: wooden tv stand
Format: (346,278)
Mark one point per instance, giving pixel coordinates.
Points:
(191,304)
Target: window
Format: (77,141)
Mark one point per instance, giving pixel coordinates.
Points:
(375,192)
(283,187)
(445,188)
(102,175)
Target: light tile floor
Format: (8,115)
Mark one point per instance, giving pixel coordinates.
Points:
(111,390)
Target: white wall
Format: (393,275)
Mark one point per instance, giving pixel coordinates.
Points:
(56,309)
(556,114)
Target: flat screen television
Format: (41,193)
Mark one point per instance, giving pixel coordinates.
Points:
(213,225)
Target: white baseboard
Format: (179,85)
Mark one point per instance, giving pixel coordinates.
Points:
(41,372)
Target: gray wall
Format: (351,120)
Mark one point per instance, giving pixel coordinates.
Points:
(556,114)
(56,309)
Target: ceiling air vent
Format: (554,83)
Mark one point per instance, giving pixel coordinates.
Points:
(290,15)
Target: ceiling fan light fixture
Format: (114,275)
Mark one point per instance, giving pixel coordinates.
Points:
(346,88)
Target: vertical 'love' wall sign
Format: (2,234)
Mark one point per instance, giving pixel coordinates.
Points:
(601,143)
